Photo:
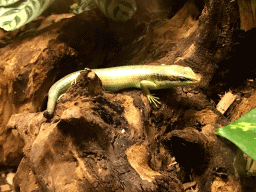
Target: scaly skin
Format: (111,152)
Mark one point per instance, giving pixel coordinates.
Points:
(145,77)
(58,89)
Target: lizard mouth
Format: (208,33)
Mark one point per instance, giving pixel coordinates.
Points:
(188,80)
(182,79)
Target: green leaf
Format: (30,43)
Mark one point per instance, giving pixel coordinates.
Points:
(33,3)
(15,15)
(29,11)
(84,5)
(41,3)
(7,2)
(7,23)
(10,12)
(242,133)
(17,19)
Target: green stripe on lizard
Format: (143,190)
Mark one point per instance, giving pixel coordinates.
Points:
(145,77)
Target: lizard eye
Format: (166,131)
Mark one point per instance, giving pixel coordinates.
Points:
(182,78)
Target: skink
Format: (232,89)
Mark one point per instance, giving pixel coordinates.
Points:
(145,77)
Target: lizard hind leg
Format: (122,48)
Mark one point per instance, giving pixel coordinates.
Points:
(60,96)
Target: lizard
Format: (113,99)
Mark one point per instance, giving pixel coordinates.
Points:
(145,77)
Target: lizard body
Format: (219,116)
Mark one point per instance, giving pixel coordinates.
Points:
(145,77)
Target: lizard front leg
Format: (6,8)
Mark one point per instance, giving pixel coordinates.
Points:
(145,85)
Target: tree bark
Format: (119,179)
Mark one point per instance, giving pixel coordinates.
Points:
(101,141)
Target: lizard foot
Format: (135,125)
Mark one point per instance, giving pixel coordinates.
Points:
(60,96)
(74,82)
(153,99)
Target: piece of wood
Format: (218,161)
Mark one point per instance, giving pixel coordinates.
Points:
(225,102)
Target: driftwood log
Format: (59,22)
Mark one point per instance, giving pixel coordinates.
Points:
(104,141)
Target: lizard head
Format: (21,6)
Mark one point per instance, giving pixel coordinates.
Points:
(182,76)
(175,75)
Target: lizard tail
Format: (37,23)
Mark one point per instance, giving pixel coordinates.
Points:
(48,114)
